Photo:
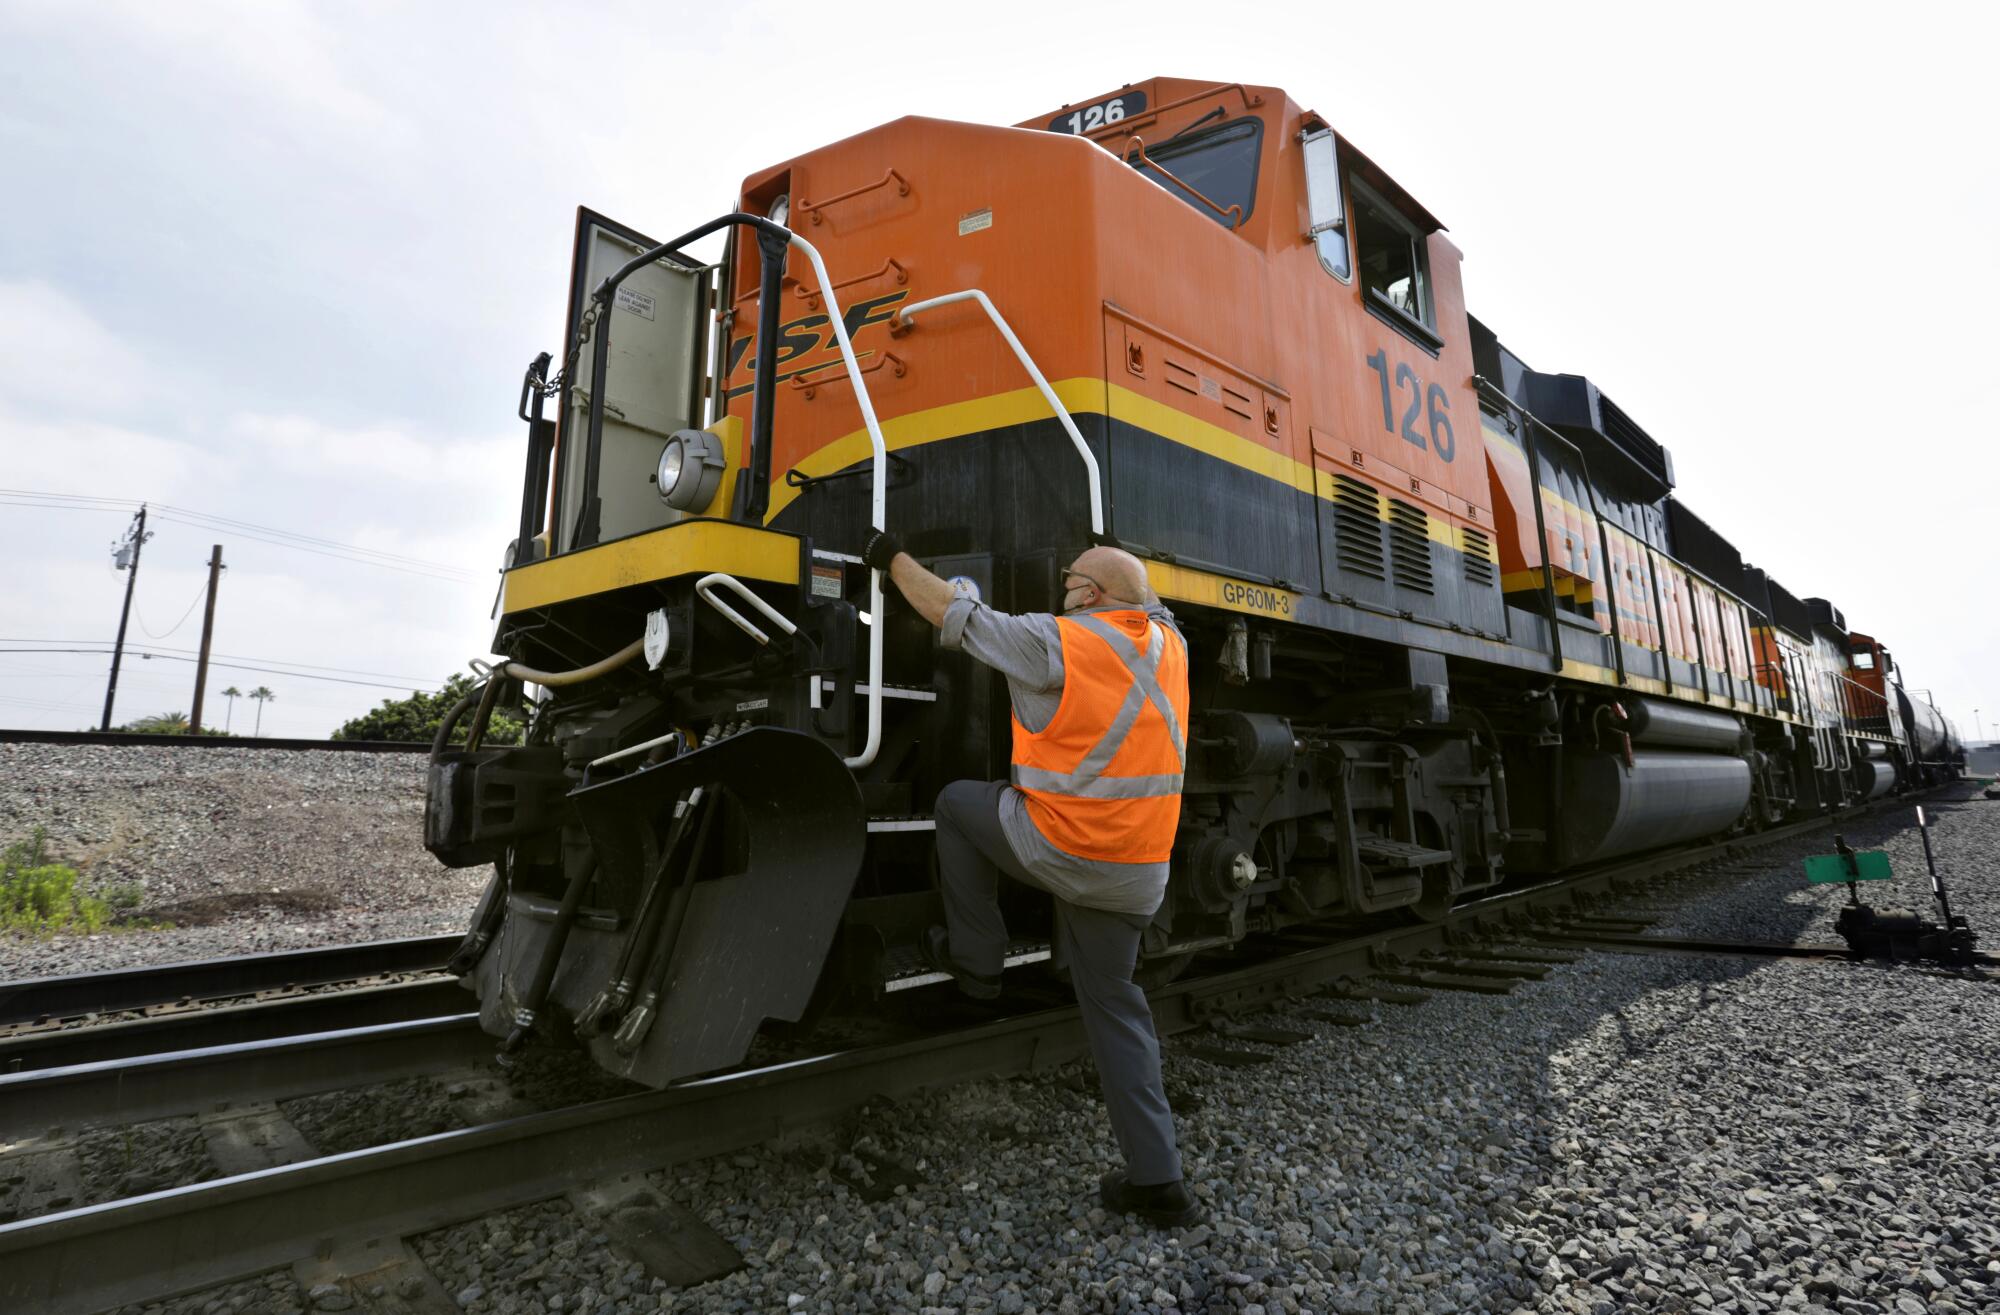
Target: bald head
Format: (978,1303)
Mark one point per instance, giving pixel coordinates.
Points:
(1119,577)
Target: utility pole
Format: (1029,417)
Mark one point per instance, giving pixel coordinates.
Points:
(126,557)
(207,631)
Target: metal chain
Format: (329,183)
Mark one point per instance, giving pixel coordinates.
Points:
(583,328)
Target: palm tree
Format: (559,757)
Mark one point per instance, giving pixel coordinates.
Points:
(263,695)
(232,694)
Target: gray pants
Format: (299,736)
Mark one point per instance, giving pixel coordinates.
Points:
(1100,948)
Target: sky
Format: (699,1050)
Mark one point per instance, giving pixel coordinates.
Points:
(284,263)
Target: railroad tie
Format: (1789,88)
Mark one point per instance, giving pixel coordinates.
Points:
(1617,926)
(1269,1036)
(671,1241)
(1388,995)
(1542,956)
(1447,982)
(38,1178)
(1333,1016)
(1467,967)
(252,1137)
(380,1276)
(1225,1056)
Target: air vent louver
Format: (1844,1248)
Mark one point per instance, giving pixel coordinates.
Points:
(1357,527)
(1479,568)
(1410,545)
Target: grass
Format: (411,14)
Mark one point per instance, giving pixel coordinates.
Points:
(42,896)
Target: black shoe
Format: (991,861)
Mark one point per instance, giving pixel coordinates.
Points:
(934,949)
(1167,1205)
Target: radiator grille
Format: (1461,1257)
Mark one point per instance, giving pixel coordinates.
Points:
(1410,545)
(1357,527)
(1479,568)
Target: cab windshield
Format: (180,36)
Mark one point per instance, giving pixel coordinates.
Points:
(1220,163)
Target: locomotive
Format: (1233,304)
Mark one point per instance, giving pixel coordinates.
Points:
(1447,622)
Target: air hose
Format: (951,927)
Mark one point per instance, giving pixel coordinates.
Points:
(608,1005)
(516,671)
(485,923)
(640,1021)
(545,971)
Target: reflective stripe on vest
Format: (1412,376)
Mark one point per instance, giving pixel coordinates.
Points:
(1103,778)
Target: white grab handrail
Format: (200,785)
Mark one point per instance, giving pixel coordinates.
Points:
(908,313)
(741,590)
(877,507)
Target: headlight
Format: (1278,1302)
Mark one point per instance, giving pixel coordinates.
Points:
(690,469)
(781,210)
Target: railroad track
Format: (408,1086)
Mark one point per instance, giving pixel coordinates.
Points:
(44,1000)
(125,740)
(347,1213)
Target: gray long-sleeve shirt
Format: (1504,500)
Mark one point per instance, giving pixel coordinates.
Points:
(1027,650)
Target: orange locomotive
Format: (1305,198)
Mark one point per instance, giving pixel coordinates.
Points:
(1444,622)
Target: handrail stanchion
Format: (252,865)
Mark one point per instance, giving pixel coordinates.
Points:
(908,313)
(877,505)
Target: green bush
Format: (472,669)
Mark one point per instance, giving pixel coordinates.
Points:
(418,717)
(41,896)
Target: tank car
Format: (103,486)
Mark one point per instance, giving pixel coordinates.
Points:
(1448,621)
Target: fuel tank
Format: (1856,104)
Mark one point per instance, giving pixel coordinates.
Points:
(1665,797)
(1925,727)
(1672,726)
(1874,777)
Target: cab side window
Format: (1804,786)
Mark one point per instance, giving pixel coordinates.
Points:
(1391,255)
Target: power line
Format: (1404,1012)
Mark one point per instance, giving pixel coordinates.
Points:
(262,533)
(233,666)
(176,625)
(240,657)
(449,574)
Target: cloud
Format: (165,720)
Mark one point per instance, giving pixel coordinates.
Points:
(65,359)
(265,54)
(54,455)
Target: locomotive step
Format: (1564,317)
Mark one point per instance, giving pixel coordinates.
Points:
(912,822)
(903,970)
(915,693)
(1400,854)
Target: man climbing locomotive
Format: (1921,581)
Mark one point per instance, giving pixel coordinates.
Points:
(1100,709)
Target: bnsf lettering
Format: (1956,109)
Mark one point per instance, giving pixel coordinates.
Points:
(1257,598)
(799,338)
(802,337)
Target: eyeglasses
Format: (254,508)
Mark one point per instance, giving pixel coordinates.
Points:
(1079,575)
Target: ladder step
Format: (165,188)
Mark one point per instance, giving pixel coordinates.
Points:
(916,693)
(1396,854)
(903,969)
(880,824)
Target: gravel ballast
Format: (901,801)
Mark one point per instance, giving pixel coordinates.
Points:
(1647,1132)
(1765,898)
(1634,1132)
(245,851)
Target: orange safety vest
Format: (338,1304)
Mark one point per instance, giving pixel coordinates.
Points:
(1103,778)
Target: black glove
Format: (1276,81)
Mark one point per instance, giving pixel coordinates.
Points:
(880,549)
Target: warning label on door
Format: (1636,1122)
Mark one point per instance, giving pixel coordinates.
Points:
(637,302)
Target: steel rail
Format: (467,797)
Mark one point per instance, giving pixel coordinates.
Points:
(202,1028)
(134,1090)
(194,1237)
(39,999)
